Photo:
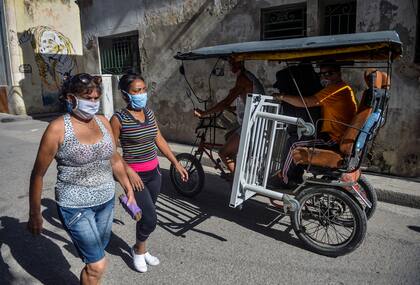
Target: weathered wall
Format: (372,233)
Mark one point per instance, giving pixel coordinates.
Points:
(166,27)
(397,146)
(45,44)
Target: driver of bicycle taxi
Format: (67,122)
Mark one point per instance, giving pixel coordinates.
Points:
(338,107)
(246,82)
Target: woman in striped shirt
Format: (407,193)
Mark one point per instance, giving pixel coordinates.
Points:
(139,136)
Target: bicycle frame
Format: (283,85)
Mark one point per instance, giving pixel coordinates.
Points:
(205,147)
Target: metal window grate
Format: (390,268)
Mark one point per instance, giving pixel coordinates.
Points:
(283,22)
(119,55)
(340,18)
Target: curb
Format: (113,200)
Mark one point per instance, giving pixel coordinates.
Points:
(397,198)
(384,195)
(8,118)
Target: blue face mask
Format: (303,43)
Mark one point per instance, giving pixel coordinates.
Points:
(137,101)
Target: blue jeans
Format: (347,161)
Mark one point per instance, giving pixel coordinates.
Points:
(89,228)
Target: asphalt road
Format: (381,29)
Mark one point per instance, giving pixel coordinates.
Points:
(199,241)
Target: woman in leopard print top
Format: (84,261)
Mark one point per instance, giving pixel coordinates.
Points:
(83,146)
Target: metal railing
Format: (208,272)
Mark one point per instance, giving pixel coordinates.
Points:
(261,145)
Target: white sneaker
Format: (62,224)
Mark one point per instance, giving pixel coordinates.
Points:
(139,261)
(150,259)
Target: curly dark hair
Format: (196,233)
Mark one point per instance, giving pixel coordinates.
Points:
(79,84)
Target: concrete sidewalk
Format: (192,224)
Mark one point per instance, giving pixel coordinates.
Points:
(390,189)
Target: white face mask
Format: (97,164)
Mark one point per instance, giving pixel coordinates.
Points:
(325,82)
(85,109)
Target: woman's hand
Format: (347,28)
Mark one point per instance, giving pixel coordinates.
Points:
(130,198)
(135,180)
(34,225)
(182,171)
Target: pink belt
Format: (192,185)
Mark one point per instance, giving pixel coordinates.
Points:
(144,166)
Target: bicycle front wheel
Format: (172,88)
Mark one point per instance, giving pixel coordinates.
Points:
(196,176)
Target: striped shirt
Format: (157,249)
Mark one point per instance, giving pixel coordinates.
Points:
(138,138)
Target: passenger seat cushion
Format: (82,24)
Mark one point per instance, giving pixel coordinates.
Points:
(317,157)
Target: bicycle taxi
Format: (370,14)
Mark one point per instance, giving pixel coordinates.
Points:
(330,208)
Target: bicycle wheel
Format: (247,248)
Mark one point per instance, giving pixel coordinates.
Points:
(368,192)
(195,182)
(318,222)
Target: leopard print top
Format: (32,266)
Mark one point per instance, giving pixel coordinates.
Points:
(84,177)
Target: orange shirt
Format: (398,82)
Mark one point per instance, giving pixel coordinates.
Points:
(338,103)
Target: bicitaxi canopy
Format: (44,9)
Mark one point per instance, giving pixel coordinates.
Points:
(372,46)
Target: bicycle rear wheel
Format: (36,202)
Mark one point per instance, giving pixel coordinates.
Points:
(195,182)
(368,192)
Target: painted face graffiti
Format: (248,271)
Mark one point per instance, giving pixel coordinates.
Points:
(53,54)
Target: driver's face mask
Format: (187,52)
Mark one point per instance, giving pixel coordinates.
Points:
(325,82)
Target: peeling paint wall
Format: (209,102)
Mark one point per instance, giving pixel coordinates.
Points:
(45,44)
(397,146)
(166,27)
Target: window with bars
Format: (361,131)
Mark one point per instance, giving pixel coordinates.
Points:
(340,18)
(119,54)
(283,22)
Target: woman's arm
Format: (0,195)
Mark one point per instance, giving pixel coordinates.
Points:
(121,175)
(166,150)
(134,178)
(48,147)
(116,128)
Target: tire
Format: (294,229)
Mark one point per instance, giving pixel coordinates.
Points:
(369,192)
(195,182)
(326,206)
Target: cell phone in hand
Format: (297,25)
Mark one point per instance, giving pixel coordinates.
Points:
(132,209)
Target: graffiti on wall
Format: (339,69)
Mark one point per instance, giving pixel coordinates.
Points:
(54,56)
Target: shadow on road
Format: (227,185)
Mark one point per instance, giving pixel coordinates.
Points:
(414,228)
(39,256)
(178,214)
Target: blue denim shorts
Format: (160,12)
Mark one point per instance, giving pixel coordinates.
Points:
(89,229)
